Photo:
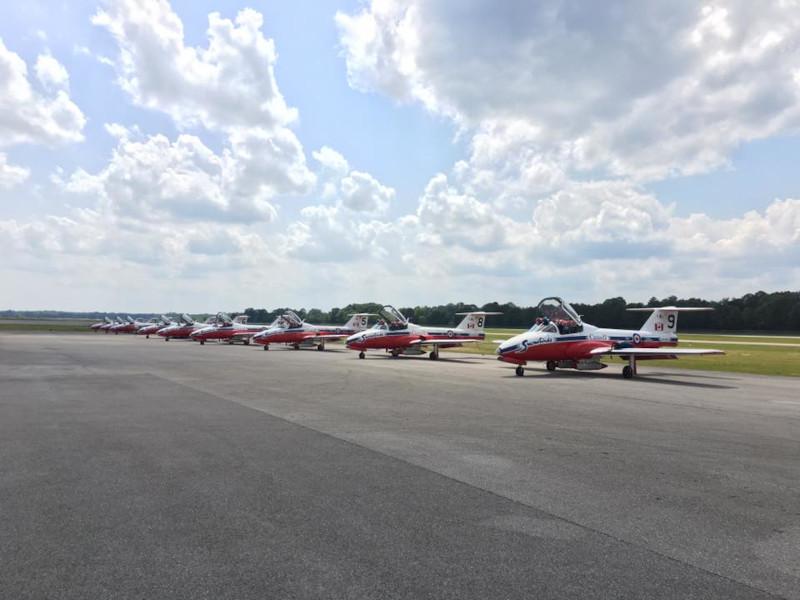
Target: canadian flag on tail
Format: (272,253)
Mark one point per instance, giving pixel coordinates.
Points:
(659,327)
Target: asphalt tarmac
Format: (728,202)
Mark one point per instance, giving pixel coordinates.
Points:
(134,468)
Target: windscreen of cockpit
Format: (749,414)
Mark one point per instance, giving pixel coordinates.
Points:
(392,318)
(556,316)
(292,319)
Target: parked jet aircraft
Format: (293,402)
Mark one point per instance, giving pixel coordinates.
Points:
(184,327)
(156,324)
(227,329)
(293,330)
(397,335)
(97,326)
(108,326)
(561,340)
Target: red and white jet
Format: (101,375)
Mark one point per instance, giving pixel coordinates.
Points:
(106,322)
(293,330)
(154,325)
(228,329)
(397,335)
(185,326)
(561,340)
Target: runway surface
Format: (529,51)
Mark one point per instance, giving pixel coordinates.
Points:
(135,468)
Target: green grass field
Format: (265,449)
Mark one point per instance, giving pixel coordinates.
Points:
(44,327)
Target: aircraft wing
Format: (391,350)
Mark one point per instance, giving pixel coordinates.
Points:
(246,333)
(653,352)
(443,342)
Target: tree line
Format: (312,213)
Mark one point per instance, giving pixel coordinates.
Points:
(761,311)
(774,312)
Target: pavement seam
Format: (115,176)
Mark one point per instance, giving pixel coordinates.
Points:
(488,491)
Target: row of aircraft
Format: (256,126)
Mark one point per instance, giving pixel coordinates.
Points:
(559,338)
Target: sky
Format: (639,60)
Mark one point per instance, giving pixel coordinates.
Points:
(201,156)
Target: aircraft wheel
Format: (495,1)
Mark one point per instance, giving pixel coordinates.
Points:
(321,347)
(627,372)
(296,346)
(247,341)
(147,337)
(166,339)
(361,354)
(433,356)
(551,365)
(520,371)
(266,347)
(202,342)
(395,352)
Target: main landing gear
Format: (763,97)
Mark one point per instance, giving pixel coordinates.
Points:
(551,365)
(361,354)
(434,355)
(629,370)
(202,342)
(297,345)
(266,346)
(519,371)
(395,352)
(321,346)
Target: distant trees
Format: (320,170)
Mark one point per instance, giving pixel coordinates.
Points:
(761,311)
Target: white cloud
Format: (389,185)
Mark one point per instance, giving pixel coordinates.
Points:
(230,83)
(11,175)
(51,73)
(29,117)
(638,89)
(185,180)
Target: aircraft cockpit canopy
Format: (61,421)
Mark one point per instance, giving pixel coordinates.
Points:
(292,319)
(391,318)
(556,316)
(187,319)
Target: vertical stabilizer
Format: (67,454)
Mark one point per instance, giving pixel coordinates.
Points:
(664,320)
(475,321)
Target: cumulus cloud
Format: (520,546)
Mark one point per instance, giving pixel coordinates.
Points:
(11,175)
(185,180)
(230,83)
(27,116)
(51,73)
(645,91)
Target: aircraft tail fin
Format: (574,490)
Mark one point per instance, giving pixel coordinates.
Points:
(664,319)
(358,321)
(474,321)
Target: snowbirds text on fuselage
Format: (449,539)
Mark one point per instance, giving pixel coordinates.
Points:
(561,340)
(395,334)
(293,330)
(184,327)
(227,329)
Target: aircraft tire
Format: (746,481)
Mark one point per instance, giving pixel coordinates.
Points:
(266,347)
(321,347)
(166,339)
(361,354)
(519,371)
(551,365)
(395,352)
(432,356)
(296,346)
(147,337)
(627,372)
(202,342)
(247,341)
